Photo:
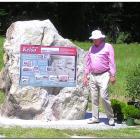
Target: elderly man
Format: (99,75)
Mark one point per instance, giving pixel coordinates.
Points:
(100,65)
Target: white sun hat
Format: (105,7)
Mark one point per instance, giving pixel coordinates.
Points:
(96,34)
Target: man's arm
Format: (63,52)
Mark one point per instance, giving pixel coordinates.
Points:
(87,68)
(112,65)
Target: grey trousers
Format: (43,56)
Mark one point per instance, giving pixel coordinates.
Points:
(99,87)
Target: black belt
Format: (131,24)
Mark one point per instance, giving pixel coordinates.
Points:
(99,73)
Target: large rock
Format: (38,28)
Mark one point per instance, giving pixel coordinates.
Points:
(37,102)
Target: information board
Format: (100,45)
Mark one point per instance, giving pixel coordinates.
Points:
(48,66)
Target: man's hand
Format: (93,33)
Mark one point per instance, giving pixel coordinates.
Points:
(112,79)
(85,81)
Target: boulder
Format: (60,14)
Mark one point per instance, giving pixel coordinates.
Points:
(40,103)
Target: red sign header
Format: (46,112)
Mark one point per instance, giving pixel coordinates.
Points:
(37,49)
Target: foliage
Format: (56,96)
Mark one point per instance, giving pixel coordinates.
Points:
(132,112)
(118,109)
(77,20)
(122,37)
(3,12)
(119,38)
(118,106)
(133,83)
(127,110)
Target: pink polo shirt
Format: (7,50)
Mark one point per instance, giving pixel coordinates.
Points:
(100,59)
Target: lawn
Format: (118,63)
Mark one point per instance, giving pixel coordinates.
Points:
(2,97)
(1,51)
(18,132)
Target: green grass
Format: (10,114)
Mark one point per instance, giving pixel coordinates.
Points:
(2,97)
(1,52)
(113,133)
(127,56)
(18,132)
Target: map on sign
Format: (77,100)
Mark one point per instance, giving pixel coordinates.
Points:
(48,66)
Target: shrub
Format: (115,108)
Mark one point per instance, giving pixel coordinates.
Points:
(133,83)
(132,112)
(118,109)
(122,109)
(122,37)
(117,105)
(118,37)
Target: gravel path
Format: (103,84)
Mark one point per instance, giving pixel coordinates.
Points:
(61,124)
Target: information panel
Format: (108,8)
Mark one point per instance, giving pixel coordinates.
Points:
(48,66)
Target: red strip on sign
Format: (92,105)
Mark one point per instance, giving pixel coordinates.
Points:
(67,50)
(30,49)
(37,49)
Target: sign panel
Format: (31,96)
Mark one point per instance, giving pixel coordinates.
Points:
(47,66)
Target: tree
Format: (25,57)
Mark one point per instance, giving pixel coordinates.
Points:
(76,20)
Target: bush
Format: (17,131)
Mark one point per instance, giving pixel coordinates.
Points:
(117,105)
(123,111)
(132,112)
(133,83)
(118,37)
(122,37)
(118,109)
